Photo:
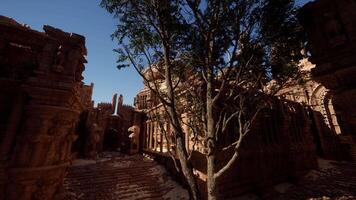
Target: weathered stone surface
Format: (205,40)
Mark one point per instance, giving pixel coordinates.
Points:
(109,124)
(118,177)
(40,79)
(279,147)
(324,121)
(332,44)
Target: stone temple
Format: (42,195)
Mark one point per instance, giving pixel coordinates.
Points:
(48,121)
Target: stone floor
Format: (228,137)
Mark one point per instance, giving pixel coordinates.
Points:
(333,180)
(119,177)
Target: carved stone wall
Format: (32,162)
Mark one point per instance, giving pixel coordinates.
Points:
(102,129)
(86,93)
(82,127)
(279,148)
(40,73)
(332,43)
(318,103)
(145,99)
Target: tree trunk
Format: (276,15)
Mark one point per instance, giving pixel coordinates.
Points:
(211,141)
(187,169)
(186,165)
(211,180)
(211,165)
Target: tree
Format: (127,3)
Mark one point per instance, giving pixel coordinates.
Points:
(232,48)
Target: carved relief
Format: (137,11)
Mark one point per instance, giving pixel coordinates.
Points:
(41,145)
(134,138)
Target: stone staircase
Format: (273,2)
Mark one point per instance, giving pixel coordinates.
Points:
(120,178)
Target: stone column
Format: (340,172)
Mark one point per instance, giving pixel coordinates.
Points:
(155,135)
(150,136)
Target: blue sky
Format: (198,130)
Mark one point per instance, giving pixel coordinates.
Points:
(87,18)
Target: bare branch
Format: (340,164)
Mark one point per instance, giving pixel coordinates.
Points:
(143,76)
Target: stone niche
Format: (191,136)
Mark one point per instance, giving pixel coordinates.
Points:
(40,101)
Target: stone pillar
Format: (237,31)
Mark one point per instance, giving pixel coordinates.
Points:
(161,139)
(150,136)
(168,136)
(155,135)
(147,137)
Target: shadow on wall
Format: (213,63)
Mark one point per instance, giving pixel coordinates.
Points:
(327,143)
(279,148)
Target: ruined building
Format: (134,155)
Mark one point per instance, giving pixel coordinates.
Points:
(280,147)
(317,102)
(47,116)
(41,99)
(105,128)
(327,101)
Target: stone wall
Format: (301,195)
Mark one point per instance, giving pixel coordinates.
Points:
(279,148)
(318,103)
(332,44)
(40,84)
(101,129)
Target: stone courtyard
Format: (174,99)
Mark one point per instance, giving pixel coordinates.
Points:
(117,176)
(56,143)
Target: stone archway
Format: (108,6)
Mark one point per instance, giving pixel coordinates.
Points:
(326,122)
(321,100)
